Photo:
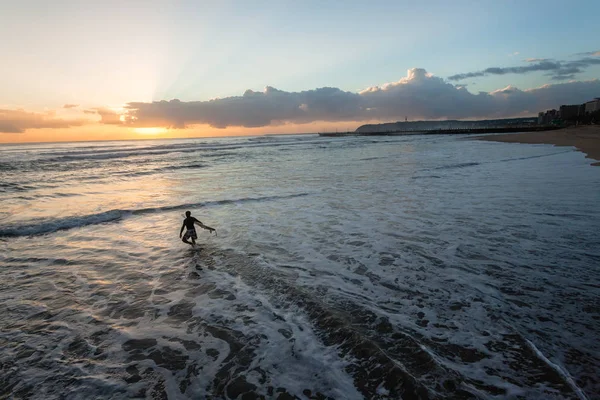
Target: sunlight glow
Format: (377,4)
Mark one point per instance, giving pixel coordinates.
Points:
(149,131)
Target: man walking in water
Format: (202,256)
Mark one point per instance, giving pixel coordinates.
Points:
(188,223)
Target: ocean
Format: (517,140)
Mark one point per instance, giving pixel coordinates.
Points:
(431,267)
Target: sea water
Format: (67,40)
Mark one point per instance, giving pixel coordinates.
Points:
(346,268)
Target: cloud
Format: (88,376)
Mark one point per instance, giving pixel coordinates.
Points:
(108,116)
(557,70)
(253,109)
(417,95)
(71,106)
(590,53)
(18,121)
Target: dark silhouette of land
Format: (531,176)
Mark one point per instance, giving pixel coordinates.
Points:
(506,125)
(458,131)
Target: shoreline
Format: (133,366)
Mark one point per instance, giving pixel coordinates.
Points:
(585,139)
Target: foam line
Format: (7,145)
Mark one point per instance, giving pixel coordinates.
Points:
(558,369)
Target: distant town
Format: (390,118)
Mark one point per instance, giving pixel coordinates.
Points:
(586,113)
(567,115)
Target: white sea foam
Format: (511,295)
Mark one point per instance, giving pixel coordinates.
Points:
(560,370)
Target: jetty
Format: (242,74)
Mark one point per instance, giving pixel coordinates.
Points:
(457,131)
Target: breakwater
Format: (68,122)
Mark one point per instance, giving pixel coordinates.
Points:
(478,131)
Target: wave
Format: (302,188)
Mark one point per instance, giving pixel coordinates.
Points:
(128,152)
(112,155)
(13,187)
(150,171)
(460,165)
(217,149)
(118,214)
(136,153)
(276,138)
(536,156)
(7,187)
(426,176)
(176,167)
(119,149)
(472,164)
(370,158)
(162,150)
(147,172)
(6,166)
(62,224)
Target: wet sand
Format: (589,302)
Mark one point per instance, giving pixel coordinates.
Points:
(585,138)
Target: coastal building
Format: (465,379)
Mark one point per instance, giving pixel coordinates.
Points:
(548,117)
(569,112)
(592,106)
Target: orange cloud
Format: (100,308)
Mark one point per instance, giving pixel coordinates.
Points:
(18,121)
(108,116)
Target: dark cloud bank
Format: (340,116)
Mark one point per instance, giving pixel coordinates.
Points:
(557,70)
(418,95)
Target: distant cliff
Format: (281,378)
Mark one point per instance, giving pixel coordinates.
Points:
(448,124)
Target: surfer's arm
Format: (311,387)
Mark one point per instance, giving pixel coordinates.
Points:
(204,226)
(181,231)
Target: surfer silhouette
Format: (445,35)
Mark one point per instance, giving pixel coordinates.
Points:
(188,223)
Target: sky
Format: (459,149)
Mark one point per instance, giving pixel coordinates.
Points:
(87,70)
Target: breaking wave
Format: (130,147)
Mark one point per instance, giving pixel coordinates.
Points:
(116,215)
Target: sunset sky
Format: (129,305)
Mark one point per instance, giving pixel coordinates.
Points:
(83,70)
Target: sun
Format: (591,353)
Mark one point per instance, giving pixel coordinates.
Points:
(149,131)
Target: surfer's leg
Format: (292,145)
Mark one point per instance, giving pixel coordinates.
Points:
(188,235)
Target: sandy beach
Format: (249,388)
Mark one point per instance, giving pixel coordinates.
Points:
(585,138)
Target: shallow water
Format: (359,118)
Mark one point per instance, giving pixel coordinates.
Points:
(390,267)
